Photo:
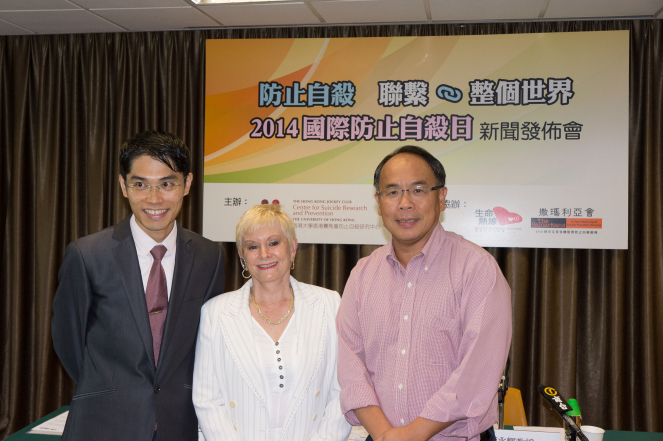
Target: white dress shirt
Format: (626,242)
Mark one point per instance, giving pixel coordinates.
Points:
(277,363)
(144,245)
(229,392)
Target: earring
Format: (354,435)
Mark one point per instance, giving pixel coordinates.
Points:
(243,263)
(292,265)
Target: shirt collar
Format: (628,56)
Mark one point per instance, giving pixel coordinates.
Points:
(301,291)
(434,244)
(144,243)
(429,250)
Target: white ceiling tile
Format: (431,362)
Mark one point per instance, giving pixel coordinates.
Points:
(66,16)
(601,8)
(262,14)
(120,4)
(60,22)
(468,10)
(35,5)
(371,11)
(157,19)
(10,29)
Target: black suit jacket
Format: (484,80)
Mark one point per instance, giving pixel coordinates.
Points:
(101,332)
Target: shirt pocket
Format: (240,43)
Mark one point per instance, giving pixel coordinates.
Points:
(440,341)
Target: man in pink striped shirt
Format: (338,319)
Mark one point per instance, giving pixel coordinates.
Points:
(425,321)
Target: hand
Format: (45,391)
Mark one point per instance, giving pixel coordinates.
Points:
(398,434)
(373,420)
(420,429)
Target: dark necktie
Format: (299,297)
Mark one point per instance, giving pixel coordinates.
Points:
(156,295)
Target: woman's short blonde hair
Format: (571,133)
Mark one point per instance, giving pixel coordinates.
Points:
(259,216)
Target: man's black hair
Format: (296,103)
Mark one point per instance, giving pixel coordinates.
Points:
(162,146)
(431,160)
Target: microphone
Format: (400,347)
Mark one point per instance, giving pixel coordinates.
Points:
(561,406)
(501,393)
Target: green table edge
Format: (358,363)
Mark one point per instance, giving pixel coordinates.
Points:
(610,435)
(620,435)
(23,433)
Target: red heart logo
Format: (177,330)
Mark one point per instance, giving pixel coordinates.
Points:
(504,217)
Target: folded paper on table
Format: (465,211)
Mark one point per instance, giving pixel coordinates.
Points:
(54,426)
(531,433)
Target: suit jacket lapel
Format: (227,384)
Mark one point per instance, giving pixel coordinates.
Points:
(127,262)
(237,327)
(312,334)
(184,256)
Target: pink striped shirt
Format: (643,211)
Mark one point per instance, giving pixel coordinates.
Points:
(430,340)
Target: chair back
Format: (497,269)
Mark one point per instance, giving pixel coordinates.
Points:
(514,411)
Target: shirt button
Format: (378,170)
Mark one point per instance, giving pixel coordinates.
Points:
(425,268)
(406,317)
(157,389)
(402,421)
(277,343)
(278,352)
(232,404)
(403,352)
(280,385)
(278,359)
(281,376)
(409,285)
(400,386)
(317,393)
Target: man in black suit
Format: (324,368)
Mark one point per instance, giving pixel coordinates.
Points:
(126,312)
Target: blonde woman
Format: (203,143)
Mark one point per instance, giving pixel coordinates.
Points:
(265,366)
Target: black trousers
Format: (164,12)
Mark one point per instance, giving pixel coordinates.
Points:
(488,435)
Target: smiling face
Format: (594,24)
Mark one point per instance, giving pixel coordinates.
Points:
(268,255)
(410,221)
(155,210)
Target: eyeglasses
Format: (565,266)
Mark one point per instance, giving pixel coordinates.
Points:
(166,187)
(418,192)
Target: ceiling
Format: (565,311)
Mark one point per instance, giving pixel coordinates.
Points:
(26,17)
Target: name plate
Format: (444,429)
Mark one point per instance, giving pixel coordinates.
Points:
(532,434)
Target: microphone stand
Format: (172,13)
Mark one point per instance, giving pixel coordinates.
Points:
(501,392)
(560,405)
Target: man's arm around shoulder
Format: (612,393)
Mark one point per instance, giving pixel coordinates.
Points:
(70,310)
(217,283)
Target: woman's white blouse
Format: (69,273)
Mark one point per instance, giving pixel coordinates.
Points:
(236,391)
(277,363)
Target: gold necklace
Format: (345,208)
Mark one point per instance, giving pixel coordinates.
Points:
(292,303)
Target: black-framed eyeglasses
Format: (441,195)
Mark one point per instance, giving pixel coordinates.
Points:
(417,192)
(166,186)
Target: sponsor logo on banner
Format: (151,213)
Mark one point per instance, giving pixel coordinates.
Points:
(505,217)
(543,222)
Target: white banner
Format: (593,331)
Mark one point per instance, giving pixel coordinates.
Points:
(532,130)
